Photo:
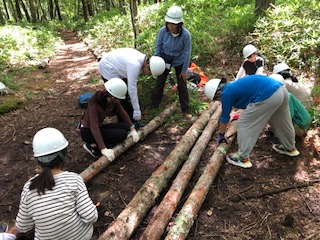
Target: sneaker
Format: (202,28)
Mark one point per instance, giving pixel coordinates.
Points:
(94,152)
(282,150)
(4,227)
(236,160)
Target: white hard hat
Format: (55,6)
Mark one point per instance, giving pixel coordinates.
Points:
(174,15)
(116,87)
(157,66)
(280,67)
(248,50)
(211,87)
(277,77)
(48,141)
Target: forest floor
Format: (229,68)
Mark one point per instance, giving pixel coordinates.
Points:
(278,198)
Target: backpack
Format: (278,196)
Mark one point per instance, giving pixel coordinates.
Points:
(83,99)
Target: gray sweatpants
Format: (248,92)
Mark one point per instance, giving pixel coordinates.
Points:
(273,110)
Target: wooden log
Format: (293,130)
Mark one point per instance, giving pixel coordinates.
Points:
(132,215)
(170,201)
(190,209)
(103,162)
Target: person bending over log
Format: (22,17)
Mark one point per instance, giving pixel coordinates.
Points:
(264,100)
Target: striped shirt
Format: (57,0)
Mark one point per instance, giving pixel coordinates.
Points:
(65,212)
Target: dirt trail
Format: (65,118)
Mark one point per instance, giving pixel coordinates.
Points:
(221,216)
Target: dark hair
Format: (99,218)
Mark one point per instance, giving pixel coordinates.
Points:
(179,27)
(100,98)
(286,74)
(45,179)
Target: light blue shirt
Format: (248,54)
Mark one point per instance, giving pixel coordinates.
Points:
(174,50)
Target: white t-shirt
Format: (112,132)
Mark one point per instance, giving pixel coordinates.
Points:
(65,212)
(124,63)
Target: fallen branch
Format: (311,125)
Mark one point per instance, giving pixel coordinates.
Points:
(169,203)
(103,162)
(190,209)
(274,191)
(132,215)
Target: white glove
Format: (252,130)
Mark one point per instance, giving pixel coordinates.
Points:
(137,115)
(134,135)
(7,236)
(108,153)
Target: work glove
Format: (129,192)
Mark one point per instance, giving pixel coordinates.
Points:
(137,115)
(135,136)
(7,236)
(108,153)
(221,138)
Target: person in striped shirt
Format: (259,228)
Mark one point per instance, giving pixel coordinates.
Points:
(55,203)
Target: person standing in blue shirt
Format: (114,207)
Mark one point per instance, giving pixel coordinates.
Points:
(264,101)
(173,44)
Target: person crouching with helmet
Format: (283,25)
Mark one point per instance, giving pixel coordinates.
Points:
(293,85)
(55,203)
(173,44)
(127,64)
(100,137)
(264,101)
(253,64)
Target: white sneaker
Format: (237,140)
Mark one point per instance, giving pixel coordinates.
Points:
(282,150)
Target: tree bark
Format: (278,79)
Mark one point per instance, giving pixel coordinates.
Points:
(85,10)
(2,21)
(6,9)
(58,9)
(25,11)
(103,162)
(169,203)
(134,14)
(33,11)
(190,209)
(18,10)
(132,215)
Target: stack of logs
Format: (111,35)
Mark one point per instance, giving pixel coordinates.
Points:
(196,139)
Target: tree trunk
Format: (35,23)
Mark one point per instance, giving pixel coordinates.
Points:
(108,5)
(90,10)
(132,215)
(25,11)
(13,11)
(50,9)
(190,209)
(103,162)
(85,10)
(33,11)
(134,14)
(58,9)
(121,7)
(6,9)
(262,5)
(18,10)
(171,200)
(2,21)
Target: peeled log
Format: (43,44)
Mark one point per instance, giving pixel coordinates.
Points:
(190,209)
(169,203)
(103,162)
(132,215)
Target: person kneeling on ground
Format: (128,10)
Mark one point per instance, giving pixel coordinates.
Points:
(55,203)
(264,101)
(99,136)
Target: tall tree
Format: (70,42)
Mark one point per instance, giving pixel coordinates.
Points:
(14,13)
(262,5)
(108,5)
(25,10)
(2,21)
(85,10)
(6,9)
(33,11)
(18,10)
(134,14)
(121,7)
(58,9)
(50,9)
